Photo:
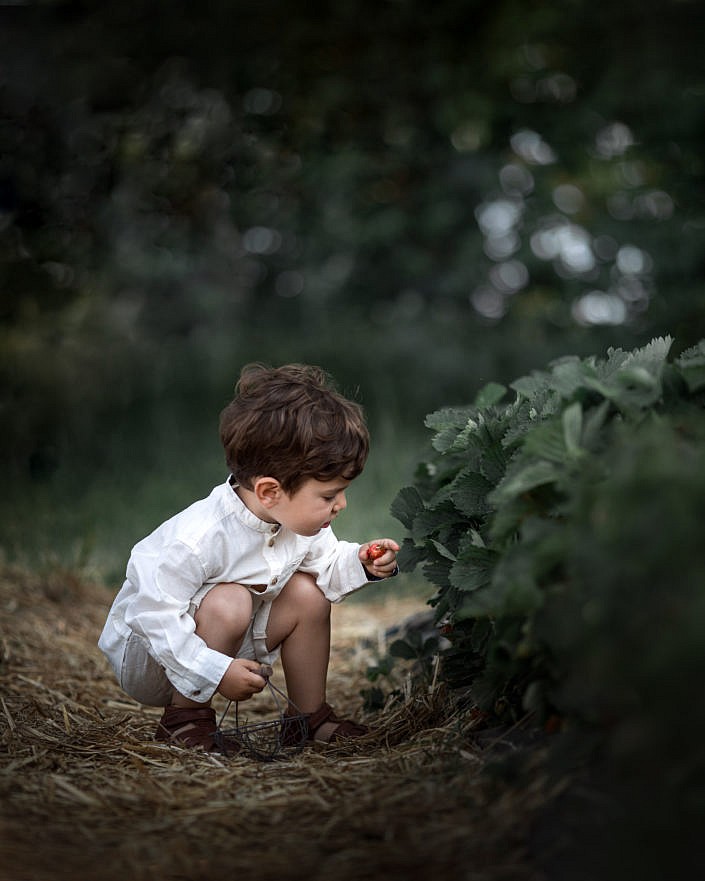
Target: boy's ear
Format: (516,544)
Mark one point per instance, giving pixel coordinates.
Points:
(268,491)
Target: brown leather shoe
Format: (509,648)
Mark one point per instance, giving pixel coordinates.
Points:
(188,726)
(345,727)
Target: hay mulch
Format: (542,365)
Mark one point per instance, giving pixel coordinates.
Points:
(87,793)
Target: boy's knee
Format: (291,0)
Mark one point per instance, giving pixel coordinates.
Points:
(227,603)
(307,593)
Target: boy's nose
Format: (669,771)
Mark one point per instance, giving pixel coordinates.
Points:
(341,502)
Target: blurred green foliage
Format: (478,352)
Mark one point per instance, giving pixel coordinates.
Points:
(420,197)
(563,530)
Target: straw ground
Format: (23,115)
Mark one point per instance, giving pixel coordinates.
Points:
(86,792)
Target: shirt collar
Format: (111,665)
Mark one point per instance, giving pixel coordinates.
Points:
(243,513)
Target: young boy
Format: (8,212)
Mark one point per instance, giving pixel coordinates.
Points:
(248,574)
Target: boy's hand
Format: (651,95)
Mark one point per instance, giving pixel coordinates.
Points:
(242,679)
(379,557)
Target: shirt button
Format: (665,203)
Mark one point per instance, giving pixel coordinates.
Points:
(274,580)
(271,542)
(275,529)
(196,691)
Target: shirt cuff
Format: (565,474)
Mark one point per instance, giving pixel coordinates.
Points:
(371,577)
(200,680)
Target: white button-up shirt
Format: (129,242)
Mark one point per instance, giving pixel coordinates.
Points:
(213,540)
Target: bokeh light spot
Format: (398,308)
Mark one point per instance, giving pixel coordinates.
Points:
(613,140)
(468,136)
(597,307)
(261,240)
(532,148)
(498,218)
(633,261)
(510,276)
(516,180)
(488,302)
(568,198)
(289,283)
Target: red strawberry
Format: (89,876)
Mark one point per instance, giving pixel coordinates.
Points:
(374,552)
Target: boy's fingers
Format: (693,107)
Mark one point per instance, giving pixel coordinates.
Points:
(379,546)
(264,671)
(387,543)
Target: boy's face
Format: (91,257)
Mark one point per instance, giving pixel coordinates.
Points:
(312,507)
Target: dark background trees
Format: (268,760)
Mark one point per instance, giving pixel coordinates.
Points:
(420,197)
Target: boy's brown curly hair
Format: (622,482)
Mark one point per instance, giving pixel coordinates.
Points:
(290,423)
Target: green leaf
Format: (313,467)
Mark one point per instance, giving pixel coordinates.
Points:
(652,356)
(448,423)
(438,521)
(440,498)
(464,438)
(632,381)
(530,386)
(514,583)
(566,377)
(448,417)
(407,504)
(570,374)
(473,568)
(525,479)
(547,441)
(510,594)
(442,550)
(630,388)
(469,493)
(480,604)
(437,571)
(525,417)
(489,395)
(573,428)
(594,421)
(508,518)
(476,539)
(615,359)
(692,367)
(410,555)
(494,456)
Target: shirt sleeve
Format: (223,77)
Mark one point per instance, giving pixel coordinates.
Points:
(159,611)
(335,566)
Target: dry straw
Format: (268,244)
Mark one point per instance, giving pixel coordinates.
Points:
(87,793)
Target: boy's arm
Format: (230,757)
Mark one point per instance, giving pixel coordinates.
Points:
(159,611)
(338,565)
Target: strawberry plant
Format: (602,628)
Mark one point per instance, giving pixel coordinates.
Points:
(533,502)
(561,522)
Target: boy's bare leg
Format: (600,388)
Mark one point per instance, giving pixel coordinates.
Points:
(222,620)
(300,622)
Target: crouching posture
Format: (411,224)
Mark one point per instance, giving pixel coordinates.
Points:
(247,575)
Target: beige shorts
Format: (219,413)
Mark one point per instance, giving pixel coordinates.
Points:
(144,678)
